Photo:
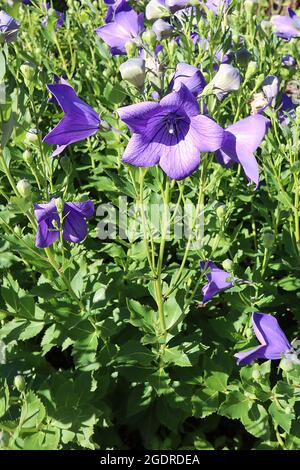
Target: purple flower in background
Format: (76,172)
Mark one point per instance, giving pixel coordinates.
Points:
(126,26)
(79,122)
(171,133)
(74,223)
(288,26)
(190,76)
(60,16)
(270,87)
(288,60)
(218,6)
(273,342)
(286,110)
(114,7)
(218,280)
(8,27)
(240,142)
(175,5)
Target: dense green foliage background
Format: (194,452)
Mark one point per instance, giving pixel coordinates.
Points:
(97,373)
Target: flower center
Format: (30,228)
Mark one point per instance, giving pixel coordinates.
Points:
(171,122)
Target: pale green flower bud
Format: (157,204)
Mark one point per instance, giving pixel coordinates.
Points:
(31,136)
(130,48)
(268,240)
(227,265)
(19,383)
(149,38)
(227,79)
(28,71)
(266,26)
(59,204)
(134,72)
(155,10)
(251,69)
(28,157)
(286,364)
(24,188)
(221,211)
(249,6)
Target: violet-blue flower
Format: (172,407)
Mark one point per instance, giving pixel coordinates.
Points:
(8,27)
(126,26)
(273,342)
(59,14)
(240,142)
(79,122)
(218,280)
(74,222)
(288,60)
(190,76)
(218,6)
(114,7)
(286,26)
(171,133)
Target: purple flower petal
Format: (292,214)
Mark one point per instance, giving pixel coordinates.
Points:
(79,122)
(75,227)
(271,337)
(45,215)
(241,140)
(190,76)
(217,280)
(288,26)
(136,116)
(126,26)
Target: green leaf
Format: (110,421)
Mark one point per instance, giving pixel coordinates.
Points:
(282,414)
(256,421)
(32,412)
(236,405)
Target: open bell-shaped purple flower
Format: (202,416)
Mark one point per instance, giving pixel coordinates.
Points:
(240,142)
(9,27)
(126,26)
(171,133)
(79,122)
(218,280)
(74,222)
(273,342)
(286,26)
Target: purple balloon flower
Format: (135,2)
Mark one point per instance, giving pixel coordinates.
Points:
(218,6)
(286,110)
(288,26)
(190,76)
(240,142)
(74,224)
(60,16)
(171,133)
(114,7)
(273,342)
(8,27)
(126,26)
(218,280)
(79,122)
(288,60)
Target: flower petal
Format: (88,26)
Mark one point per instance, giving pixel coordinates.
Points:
(84,208)
(136,116)
(269,333)
(75,228)
(140,152)
(207,133)
(181,101)
(46,234)
(246,357)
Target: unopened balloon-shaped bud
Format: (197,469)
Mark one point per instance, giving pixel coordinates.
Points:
(162,29)
(134,72)
(156,9)
(268,240)
(24,188)
(130,48)
(19,383)
(227,79)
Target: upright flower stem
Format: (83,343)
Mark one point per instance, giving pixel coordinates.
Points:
(157,282)
(64,278)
